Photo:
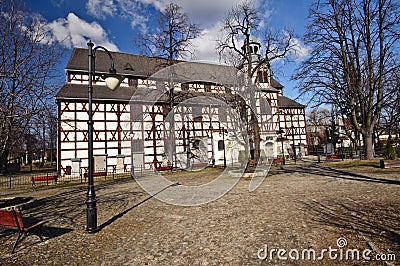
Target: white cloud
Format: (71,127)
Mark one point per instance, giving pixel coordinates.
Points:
(75,32)
(132,11)
(205,45)
(300,50)
(101,8)
(204,12)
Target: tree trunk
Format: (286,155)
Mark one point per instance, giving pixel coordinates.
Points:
(256,129)
(368,146)
(3,160)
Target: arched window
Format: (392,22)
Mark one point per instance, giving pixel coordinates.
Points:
(256,49)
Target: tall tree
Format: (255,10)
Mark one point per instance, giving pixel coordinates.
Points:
(317,120)
(27,78)
(172,40)
(389,119)
(173,37)
(239,24)
(355,49)
(237,28)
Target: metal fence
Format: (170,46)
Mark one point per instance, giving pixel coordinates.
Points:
(53,178)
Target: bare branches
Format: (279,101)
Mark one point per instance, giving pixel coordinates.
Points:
(278,45)
(355,51)
(27,73)
(173,39)
(236,30)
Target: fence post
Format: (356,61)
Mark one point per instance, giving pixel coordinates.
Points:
(10,181)
(47,178)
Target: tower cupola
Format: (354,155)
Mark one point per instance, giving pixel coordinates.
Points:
(254,49)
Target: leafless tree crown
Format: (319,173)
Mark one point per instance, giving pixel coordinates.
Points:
(354,59)
(173,38)
(28,79)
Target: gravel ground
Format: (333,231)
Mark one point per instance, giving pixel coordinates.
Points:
(298,208)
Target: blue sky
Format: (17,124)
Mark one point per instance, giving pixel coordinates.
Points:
(115,23)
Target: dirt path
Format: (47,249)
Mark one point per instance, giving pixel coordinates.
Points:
(303,207)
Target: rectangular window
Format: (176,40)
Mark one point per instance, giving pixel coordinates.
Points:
(221,145)
(137,113)
(264,107)
(137,145)
(222,114)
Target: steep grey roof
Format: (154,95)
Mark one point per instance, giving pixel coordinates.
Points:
(285,102)
(145,66)
(126,64)
(79,92)
(276,84)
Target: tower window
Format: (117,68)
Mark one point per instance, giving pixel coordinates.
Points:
(256,49)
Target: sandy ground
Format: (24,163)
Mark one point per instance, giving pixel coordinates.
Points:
(297,210)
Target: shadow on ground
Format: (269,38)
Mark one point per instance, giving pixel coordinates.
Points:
(47,232)
(380,222)
(326,171)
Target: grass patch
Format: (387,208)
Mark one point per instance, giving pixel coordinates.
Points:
(360,165)
(374,163)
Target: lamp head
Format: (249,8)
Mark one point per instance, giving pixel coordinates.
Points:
(112,79)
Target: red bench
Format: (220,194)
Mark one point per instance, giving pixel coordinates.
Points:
(199,164)
(43,178)
(332,157)
(164,168)
(277,160)
(12,219)
(96,174)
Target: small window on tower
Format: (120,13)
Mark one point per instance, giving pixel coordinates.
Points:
(185,87)
(256,49)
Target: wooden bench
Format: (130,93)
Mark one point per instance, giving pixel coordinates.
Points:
(277,160)
(390,163)
(95,174)
(164,168)
(46,178)
(252,162)
(12,219)
(198,165)
(333,157)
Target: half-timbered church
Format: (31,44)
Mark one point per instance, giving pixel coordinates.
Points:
(185,116)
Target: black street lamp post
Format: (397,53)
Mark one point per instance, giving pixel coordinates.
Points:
(188,152)
(223,142)
(112,81)
(281,131)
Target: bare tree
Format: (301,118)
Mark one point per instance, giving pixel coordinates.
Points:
(355,51)
(237,28)
(317,120)
(173,38)
(27,74)
(389,118)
